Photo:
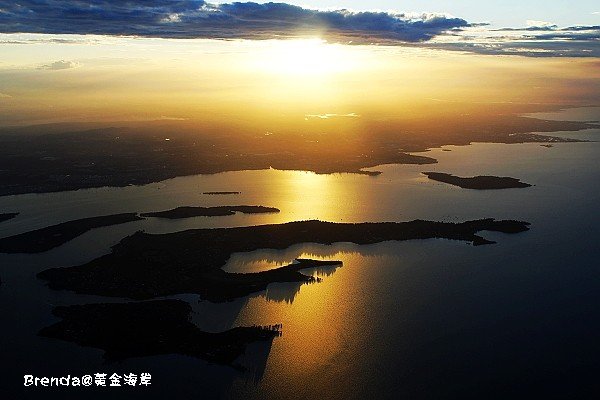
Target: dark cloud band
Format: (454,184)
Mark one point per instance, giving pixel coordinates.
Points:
(199,19)
(247,20)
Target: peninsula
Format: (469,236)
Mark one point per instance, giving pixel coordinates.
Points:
(144,266)
(483,182)
(151,328)
(220,193)
(45,239)
(188,212)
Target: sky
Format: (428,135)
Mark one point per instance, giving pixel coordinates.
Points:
(532,30)
(103,60)
(501,13)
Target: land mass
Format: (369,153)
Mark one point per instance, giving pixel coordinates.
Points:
(221,193)
(187,212)
(144,266)
(52,158)
(148,328)
(483,182)
(7,216)
(45,239)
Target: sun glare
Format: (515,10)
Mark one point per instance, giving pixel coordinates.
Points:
(305,57)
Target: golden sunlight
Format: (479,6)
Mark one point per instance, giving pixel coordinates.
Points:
(304,57)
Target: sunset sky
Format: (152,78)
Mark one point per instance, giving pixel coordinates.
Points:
(300,199)
(145,60)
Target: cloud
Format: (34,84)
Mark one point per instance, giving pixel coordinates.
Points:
(591,35)
(58,65)
(186,19)
(552,32)
(329,116)
(199,19)
(531,23)
(550,27)
(537,40)
(47,39)
(524,48)
(167,118)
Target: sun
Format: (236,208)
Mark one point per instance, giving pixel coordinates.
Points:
(304,57)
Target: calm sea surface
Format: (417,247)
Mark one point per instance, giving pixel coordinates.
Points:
(419,319)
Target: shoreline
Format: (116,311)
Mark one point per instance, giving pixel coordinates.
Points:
(145,266)
(157,161)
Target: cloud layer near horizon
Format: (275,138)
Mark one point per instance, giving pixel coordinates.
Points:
(59,65)
(187,19)
(199,19)
(544,40)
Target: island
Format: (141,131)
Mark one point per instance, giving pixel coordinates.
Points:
(151,328)
(220,193)
(483,182)
(45,239)
(144,266)
(7,216)
(187,212)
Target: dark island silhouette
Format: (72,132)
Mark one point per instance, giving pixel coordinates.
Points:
(144,266)
(220,193)
(187,212)
(45,239)
(148,328)
(213,284)
(483,182)
(7,216)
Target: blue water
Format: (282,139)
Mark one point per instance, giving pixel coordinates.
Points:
(420,319)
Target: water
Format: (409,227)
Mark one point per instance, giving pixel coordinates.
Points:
(582,114)
(416,319)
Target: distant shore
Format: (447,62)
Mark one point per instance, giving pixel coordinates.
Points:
(138,155)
